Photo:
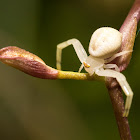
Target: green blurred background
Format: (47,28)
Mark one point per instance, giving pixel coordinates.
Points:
(37,109)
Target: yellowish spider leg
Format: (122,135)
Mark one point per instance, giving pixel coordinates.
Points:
(124,85)
(80,51)
(81,67)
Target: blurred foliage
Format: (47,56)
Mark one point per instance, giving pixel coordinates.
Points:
(36,109)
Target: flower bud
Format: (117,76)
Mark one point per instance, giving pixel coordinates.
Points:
(27,62)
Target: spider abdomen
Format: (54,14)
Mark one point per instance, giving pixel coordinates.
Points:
(105,42)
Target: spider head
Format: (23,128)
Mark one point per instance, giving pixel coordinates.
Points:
(105,42)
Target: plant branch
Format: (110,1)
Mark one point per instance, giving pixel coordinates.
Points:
(79,76)
(128,30)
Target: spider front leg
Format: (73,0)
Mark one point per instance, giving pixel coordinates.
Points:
(123,83)
(117,55)
(80,51)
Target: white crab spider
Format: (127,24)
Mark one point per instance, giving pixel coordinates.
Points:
(103,47)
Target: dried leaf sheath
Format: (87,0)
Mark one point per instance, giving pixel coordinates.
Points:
(27,62)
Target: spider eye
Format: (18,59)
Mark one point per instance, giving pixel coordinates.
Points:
(105,42)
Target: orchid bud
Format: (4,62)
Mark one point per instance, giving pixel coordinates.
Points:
(27,62)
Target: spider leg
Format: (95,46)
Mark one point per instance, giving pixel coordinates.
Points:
(116,55)
(124,85)
(80,51)
(109,66)
(81,67)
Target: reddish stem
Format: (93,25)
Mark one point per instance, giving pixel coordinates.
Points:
(128,29)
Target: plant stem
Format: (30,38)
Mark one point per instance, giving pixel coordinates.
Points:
(128,29)
(118,106)
(79,76)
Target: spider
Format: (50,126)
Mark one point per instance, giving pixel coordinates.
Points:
(103,47)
